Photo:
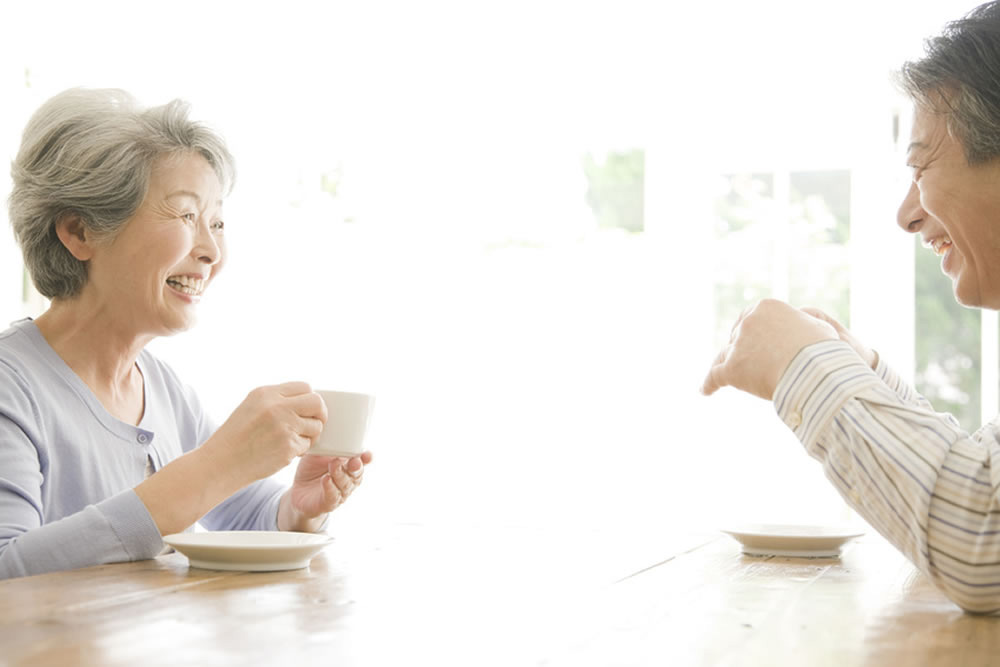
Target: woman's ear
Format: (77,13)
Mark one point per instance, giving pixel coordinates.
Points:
(75,236)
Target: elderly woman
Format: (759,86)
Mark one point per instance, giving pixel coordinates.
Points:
(118,212)
(928,486)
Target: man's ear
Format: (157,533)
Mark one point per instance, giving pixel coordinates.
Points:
(75,236)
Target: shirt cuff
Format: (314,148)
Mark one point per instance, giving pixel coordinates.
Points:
(906,393)
(132,524)
(820,380)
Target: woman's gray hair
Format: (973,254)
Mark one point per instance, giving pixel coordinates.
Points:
(959,75)
(90,153)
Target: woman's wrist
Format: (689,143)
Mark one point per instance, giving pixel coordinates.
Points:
(185,490)
(292,519)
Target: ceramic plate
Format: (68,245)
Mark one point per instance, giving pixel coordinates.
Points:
(248,550)
(800,541)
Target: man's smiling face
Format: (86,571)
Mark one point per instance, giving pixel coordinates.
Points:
(955,207)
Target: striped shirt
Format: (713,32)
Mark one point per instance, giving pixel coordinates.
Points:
(926,485)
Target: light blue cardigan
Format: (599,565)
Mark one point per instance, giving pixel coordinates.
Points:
(68,468)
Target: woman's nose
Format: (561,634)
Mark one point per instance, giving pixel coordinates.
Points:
(911,215)
(208,249)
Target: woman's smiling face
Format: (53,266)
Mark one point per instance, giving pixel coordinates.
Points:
(956,208)
(153,273)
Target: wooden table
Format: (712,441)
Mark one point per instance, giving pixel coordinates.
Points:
(417,595)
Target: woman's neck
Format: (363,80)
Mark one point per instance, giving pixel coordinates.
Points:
(100,350)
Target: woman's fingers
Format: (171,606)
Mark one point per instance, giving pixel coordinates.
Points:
(354,464)
(334,497)
(294,388)
(345,481)
(310,427)
(309,410)
(337,486)
(308,404)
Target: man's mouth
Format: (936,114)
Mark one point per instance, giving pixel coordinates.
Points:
(939,245)
(187,284)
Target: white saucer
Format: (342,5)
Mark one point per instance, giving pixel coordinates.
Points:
(248,550)
(799,541)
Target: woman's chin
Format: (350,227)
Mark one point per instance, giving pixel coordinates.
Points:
(179,323)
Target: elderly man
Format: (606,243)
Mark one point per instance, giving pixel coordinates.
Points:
(922,481)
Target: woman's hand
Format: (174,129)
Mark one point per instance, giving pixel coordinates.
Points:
(263,435)
(865,352)
(271,427)
(764,340)
(322,483)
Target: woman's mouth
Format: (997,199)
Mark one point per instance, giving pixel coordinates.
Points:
(187,285)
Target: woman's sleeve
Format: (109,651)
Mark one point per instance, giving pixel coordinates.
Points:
(116,529)
(252,508)
(913,474)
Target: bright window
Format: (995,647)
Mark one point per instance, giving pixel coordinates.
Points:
(527,228)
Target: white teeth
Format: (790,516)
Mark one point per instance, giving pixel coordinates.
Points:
(187,284)
(939,245)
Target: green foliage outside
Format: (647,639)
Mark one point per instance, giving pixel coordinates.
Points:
(616,188)
(947,344)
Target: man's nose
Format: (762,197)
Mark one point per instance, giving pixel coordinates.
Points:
(911,214)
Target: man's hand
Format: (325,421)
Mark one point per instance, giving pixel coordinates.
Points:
(764,340)
(865,352)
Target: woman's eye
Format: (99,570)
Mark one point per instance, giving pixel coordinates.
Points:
(218,225)
(190,217)
(916,171)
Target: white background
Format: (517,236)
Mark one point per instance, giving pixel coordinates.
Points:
(529,367)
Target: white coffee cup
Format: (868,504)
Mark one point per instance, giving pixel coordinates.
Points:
(347,421)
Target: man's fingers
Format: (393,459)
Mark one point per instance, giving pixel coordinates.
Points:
(739,320)
(716,374)
(823,317)
(711,383)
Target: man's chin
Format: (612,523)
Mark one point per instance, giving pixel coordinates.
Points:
(970,298)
